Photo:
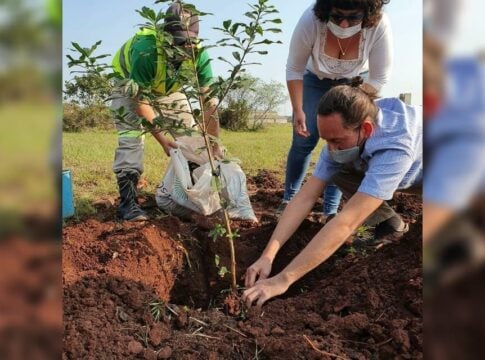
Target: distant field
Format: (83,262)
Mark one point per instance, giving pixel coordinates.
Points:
(90,155)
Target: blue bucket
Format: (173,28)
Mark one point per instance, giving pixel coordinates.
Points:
(67,197)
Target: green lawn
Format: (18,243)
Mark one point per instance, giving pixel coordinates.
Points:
(89,156)
(26,146)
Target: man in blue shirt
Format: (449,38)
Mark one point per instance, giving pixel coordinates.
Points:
(373,148)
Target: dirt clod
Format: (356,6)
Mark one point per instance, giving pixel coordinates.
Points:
(277,331)
(135,347)
(149,354)
(157,334)
(182,320)
(165,352)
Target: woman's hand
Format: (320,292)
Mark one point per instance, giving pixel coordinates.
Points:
(299,123)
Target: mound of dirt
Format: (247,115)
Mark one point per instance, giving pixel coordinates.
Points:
(152,290)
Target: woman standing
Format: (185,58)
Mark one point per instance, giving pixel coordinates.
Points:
(334,41)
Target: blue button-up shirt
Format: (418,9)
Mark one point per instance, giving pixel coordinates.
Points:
(455,138)
(392,157)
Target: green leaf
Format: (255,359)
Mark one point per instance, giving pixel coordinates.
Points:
(234,28)
(216,260)
(273,30)
(217,231)
(236,56)
(226,61)
(147,13)
(94,46)
(80,49)
(235,234)
(265,41)
(150,13)
(223,271)
(226,24)
(101,56)
(250,14)
(276,21)
(224,40)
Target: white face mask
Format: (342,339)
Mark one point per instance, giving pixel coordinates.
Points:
(343,33)
(345,156)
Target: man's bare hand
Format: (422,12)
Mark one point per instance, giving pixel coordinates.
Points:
(264,290)
(168,145)
(218,151)
(260,269)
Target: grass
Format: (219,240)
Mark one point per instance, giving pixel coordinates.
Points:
(26,147)
(90,155)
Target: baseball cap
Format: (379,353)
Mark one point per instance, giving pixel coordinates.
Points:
(176,16)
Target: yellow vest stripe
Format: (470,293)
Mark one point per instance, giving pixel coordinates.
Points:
(130,133)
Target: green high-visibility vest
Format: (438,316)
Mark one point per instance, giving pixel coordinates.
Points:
(54,11)
(122,63)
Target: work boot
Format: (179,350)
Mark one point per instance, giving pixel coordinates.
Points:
(391,229)
(129,208)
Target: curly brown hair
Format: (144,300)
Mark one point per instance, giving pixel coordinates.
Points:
(372,9)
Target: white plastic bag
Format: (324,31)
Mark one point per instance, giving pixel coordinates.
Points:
(234,189)
(179,195)
(173,191)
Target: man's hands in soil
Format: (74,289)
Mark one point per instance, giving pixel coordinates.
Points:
(261,269)
(264,290)
(260,291)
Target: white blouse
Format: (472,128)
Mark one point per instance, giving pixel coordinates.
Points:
(307,52)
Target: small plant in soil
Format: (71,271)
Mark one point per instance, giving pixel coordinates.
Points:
(246,39)
(364,232)
(157,309)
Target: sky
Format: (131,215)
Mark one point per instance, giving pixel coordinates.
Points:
(115,21)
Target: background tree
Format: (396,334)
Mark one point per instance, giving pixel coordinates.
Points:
(86,94)
(87,90)
(247,106)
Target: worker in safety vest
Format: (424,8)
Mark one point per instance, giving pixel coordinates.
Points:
(139,60)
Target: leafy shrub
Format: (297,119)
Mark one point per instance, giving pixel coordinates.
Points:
(76,118)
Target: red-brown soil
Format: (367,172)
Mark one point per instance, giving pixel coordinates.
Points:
(360,304)
(30,298)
